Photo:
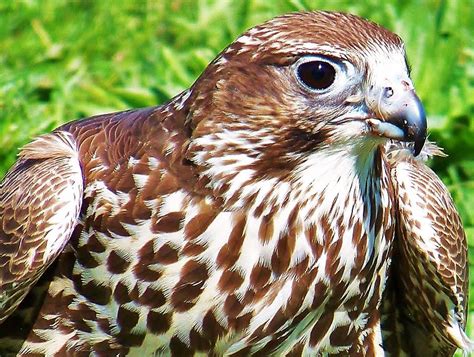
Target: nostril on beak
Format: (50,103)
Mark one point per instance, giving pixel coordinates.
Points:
(388,92)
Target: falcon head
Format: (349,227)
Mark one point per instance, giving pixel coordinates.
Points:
(299,84)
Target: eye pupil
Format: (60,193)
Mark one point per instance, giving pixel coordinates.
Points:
(317,74)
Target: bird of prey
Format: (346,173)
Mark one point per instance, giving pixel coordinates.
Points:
(280,206)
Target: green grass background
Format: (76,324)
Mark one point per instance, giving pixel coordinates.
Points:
(61,60)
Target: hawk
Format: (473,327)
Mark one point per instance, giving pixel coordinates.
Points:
(280,206)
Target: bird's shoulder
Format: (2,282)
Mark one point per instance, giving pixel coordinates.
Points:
(125,149)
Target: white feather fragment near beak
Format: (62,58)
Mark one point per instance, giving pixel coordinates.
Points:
(385,129)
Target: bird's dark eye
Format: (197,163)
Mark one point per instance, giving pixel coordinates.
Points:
(316,75)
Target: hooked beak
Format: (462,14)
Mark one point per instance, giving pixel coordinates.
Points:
(402,117)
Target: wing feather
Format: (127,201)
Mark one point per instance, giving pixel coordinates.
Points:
(40,199)
(430,261)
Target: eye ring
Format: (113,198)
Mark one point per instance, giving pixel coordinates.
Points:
(316,74)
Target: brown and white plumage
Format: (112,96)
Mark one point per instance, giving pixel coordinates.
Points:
(256,212)
(39,206)
(430,276)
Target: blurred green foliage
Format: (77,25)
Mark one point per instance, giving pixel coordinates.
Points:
(61,60)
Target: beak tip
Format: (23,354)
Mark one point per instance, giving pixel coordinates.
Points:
(412,119)
(419,129)
(419,146)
